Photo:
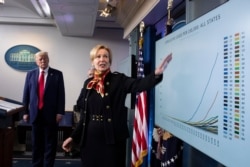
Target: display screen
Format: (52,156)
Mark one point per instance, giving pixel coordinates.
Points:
(204,98)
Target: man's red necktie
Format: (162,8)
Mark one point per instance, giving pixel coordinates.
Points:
(41,90)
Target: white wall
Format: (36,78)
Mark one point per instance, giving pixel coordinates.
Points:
(68,54)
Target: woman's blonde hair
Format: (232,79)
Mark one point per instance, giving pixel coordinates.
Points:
(93,52)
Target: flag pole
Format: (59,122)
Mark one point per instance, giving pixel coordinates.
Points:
(140,129)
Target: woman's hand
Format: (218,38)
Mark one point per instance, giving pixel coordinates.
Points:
(66,146)
(159,70)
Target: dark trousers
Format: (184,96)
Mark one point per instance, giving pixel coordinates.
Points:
(44,143)
(112,156)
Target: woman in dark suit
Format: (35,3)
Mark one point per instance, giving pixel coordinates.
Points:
(102,130)
(45,106)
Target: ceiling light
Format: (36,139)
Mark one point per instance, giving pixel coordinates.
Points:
(42,8)
(1,1)
(108,10)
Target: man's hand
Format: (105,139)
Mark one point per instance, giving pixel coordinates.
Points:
(58,117)
(25,117)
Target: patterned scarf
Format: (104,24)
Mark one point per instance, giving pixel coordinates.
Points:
(98,82)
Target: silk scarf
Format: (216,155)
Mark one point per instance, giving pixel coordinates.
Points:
(97,82)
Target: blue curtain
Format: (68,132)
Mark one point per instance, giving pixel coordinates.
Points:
(149,66)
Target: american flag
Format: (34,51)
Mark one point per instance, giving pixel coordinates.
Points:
(140,131)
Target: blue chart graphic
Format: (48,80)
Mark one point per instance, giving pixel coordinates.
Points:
(203,98)
(206,123)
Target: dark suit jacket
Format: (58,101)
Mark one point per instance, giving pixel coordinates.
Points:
(54,95)
(117,86)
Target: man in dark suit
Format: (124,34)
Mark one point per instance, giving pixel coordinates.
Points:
(45,107)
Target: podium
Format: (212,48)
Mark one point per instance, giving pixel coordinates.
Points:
(8,108)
